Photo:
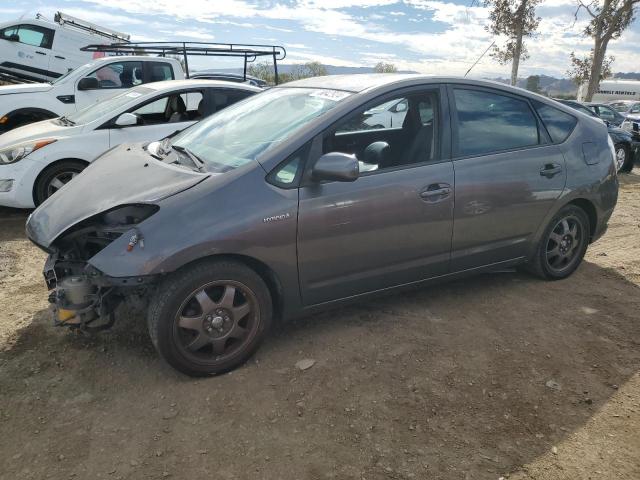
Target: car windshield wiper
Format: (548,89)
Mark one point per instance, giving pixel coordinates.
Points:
(197,161)
(66,120)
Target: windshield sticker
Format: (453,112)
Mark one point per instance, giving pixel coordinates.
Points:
(334,95)
(133,94)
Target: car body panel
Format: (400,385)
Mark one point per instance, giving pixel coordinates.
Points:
(233,213)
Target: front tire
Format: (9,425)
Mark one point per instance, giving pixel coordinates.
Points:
(210,317)
(563,244)
(55,177)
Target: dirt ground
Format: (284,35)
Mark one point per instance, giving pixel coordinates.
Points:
(498,376)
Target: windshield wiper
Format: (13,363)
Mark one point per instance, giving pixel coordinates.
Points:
(66,120)
(197,161)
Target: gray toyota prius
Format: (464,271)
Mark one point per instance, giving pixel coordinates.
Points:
(317,192)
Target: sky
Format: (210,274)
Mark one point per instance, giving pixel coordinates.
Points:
(427,36)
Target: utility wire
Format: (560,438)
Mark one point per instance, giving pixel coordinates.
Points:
(480,58)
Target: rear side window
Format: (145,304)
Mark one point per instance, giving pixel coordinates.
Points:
(490,122)
(160,72)
(559,124)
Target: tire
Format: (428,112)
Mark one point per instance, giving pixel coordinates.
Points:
(624,162)
(199,341)
(546,264)
(54,177)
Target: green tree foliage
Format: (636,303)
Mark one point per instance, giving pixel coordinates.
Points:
(581,68)
(515,20)
(382,67)
(265,71)
(608,19)
(533,83)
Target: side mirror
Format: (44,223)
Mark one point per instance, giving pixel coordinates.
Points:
(126,120)
(336,166)
(400,107)
(88,83)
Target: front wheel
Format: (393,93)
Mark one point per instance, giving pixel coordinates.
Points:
(623,158)
(55,177)
(209,318)
(563,244)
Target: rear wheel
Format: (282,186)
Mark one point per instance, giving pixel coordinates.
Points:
(623,158)
(55,177)
(210,318)
(563,244)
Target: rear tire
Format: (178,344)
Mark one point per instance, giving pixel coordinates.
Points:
(563,244)
(210,317)
(55,177)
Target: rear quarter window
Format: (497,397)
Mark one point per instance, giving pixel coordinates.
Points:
(559,124)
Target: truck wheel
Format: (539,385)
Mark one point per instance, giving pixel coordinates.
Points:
(210,317)
(53,178)
(563,244)
(624,162)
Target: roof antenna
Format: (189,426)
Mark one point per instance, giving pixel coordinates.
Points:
(480,58)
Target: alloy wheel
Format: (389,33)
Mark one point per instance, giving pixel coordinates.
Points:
(216,321)
(59,181)
(621,158)
(563,244)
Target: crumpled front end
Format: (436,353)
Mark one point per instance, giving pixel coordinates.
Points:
(82,295)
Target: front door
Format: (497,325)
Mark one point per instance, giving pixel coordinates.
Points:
(393,224)
(163,116)
(508,175)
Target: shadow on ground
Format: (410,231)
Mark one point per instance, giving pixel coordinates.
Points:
(471,379)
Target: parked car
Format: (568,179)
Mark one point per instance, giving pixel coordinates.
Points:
(260,211)
(86,85)
(38,159)
(626,147)
(626,107)
(228,77)
(41,50)
(606,113)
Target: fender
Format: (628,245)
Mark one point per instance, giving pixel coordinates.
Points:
(23,116)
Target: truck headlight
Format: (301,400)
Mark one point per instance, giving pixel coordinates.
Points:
(17,152)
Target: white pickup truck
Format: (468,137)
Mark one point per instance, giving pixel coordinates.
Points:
(27,103)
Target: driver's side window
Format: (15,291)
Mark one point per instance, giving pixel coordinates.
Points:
(116,75)
(172,108)
(396,132)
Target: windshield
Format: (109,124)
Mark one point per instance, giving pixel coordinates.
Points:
(241,132)
(97,110)
(620,107)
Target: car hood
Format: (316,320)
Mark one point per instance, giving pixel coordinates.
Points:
(37,131)
(124,175)
(25,88)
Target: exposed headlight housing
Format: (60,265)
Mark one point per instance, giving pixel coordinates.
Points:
(626,126)
(17,152)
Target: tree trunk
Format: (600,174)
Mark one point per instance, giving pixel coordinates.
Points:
(515,63)
(599,52)
(517,49)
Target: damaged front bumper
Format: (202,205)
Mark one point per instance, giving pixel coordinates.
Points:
(84,297)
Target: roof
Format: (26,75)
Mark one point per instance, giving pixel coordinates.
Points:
(176,84)
(360,82)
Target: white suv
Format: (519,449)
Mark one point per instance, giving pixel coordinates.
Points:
(95,81)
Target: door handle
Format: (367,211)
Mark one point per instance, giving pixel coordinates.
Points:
(436,192)
(61,58)
(550,170)
(40,53)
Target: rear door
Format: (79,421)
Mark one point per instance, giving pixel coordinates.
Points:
(393,224)
(508,175)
